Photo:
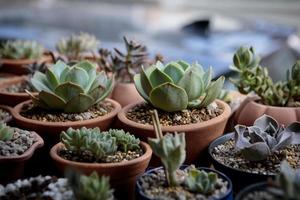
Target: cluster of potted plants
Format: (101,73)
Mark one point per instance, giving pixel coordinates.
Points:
(173,109)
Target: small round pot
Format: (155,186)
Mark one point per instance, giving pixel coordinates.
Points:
(8,109)
(20,66)
(12,167)
(251,188)
(235,174)
(126,93)
(250,110)
(197,136)
(12,99)
(52,130)
(227,196)
(123,175)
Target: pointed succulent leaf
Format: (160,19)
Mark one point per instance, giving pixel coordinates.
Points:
(158,77)
(184,65)
(264,121)
(139,87)
(174,71)
(145,83)
(285,140)
(77,76)
(79,103)
(40,82)
(51,100)
(68,90)
(213,91)
(256,152)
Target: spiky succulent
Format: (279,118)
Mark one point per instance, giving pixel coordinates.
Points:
(169,148)
(255,78)
(71,89)
(200,181)
(21,49)
(77,44)
(100,144)
(90,187)
(177,85)
(6,132)
(266,136)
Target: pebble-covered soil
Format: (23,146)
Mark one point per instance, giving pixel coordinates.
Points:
(259,195)
(37,188)
(141,114)
(4,115)
(227,155)
(21,141)
(35,113)
(154,187)
(18,87)
(87,157)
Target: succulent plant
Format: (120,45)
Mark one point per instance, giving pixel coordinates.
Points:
(255,78)
(266,136)
(6,133)
(77,44)
(125,141)
(70,89)
(21,49)
(177,85)
(169,148)
(90,187)
(200,181)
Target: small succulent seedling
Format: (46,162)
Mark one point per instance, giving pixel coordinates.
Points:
(125,141)
(255,78)
(74,46)
(6,132)
(200,181)
(266,136)
(21,49)
(71,89)
(90,187)
(169,148)
(177,85)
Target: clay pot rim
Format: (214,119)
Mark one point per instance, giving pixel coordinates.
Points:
(54,155)
(225,138)
(16,115)
(9,110)
(14,81)
(276,107)
(28,153)
(10,61)
(178,128)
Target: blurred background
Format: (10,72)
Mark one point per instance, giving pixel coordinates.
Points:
(207,31)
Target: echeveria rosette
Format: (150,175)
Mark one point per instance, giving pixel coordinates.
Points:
(71,89)
(266,136)
(177,86)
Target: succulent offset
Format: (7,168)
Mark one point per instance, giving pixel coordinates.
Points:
(100,144)
(6,133)
(177,86)
(200,181)
(169,148)
(255,78)
(90,187)
(74,46)
(21,49)
(70,89)
(266,136)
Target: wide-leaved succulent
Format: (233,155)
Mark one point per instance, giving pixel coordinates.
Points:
(77,44)
(21,49)
(71,89)
(266,136)
(6,132)
(177,85)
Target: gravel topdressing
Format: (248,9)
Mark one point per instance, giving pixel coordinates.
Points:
(259,195)
(154,187)
(39,114)
(18,87)
(21,141)
(226,154)
(4,115)
(141,114)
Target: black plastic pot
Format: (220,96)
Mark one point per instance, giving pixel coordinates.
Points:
(228,196)
(240,179)
(251,188)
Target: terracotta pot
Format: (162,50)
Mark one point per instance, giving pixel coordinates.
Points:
(12,99)
(8,109)
(19,66)
(4,77)
(250,110)
(52,130)
(198,136)
(123,175)
(12,167)
(126,93)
